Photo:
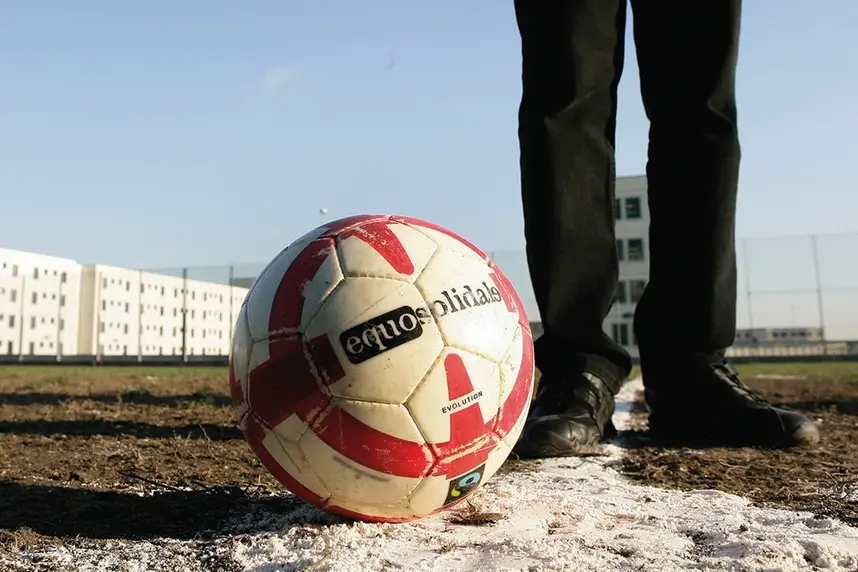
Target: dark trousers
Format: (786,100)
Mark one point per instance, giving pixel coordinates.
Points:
(572,52)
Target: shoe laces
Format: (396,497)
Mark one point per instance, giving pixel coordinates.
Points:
(727,373)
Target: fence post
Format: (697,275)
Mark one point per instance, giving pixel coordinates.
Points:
(229,321)
(60,317)
(820,306)
(184,314)
(23,316)
(97,276)
(139,316)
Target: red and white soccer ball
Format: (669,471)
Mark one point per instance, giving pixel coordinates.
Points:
(382,368)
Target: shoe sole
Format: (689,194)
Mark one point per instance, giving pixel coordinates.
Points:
(552,445)
(805,435)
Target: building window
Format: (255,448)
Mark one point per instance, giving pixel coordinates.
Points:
(33,323)
(618,209)
(636,290)
(35,297)
(11,321)
(633,207)
(620,333)
(62,299)
(35,273)
(13,295)
(621,250)
(624,334)
(63,278)
(636,249)
(622,293)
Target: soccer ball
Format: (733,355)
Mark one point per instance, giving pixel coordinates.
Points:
(381,368)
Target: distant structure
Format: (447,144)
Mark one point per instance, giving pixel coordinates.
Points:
(244,282)
(632,229)
(39,303)
(56,306)
(778,336)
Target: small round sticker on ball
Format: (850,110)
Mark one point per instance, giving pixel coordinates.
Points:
(462,486)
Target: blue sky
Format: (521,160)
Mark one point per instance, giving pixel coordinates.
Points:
(208,131)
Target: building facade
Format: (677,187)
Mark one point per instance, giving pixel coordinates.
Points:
(54,306)
(132,312)
(632,227)
(38,304)
(755,337)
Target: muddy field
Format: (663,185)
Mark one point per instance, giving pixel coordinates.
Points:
(129,453)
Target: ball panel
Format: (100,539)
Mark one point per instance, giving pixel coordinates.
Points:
(381,335)
(285,384)
(334,227)
(512,436)
(295,300)
(239,365)
(289,457)
(496,459)
(517,372)
(367,447)
(458,399)
(256,435)
(468,304)
(384,249)
(454,480)
(443,237)
(352,484)
(317,287)
(380,514)
(260,299)
(510,296)
(390,419)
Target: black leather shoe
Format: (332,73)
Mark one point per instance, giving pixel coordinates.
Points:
(567,417)
(710,406)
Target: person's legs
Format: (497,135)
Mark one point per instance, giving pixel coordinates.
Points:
(572,54)
(687,53)
(571,62)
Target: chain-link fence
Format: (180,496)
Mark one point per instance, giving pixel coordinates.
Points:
(797,295)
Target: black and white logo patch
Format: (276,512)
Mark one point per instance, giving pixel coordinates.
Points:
(382,333)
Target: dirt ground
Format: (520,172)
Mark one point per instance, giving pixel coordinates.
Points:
(822,480)
(132,453)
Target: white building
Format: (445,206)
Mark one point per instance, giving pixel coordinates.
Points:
(38,304)
(632,229)
(778,336)
(55,306)
(131,312)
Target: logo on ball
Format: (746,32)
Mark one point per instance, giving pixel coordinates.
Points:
(461,486)
(382,333)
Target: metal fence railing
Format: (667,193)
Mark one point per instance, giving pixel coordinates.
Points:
(808,282)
